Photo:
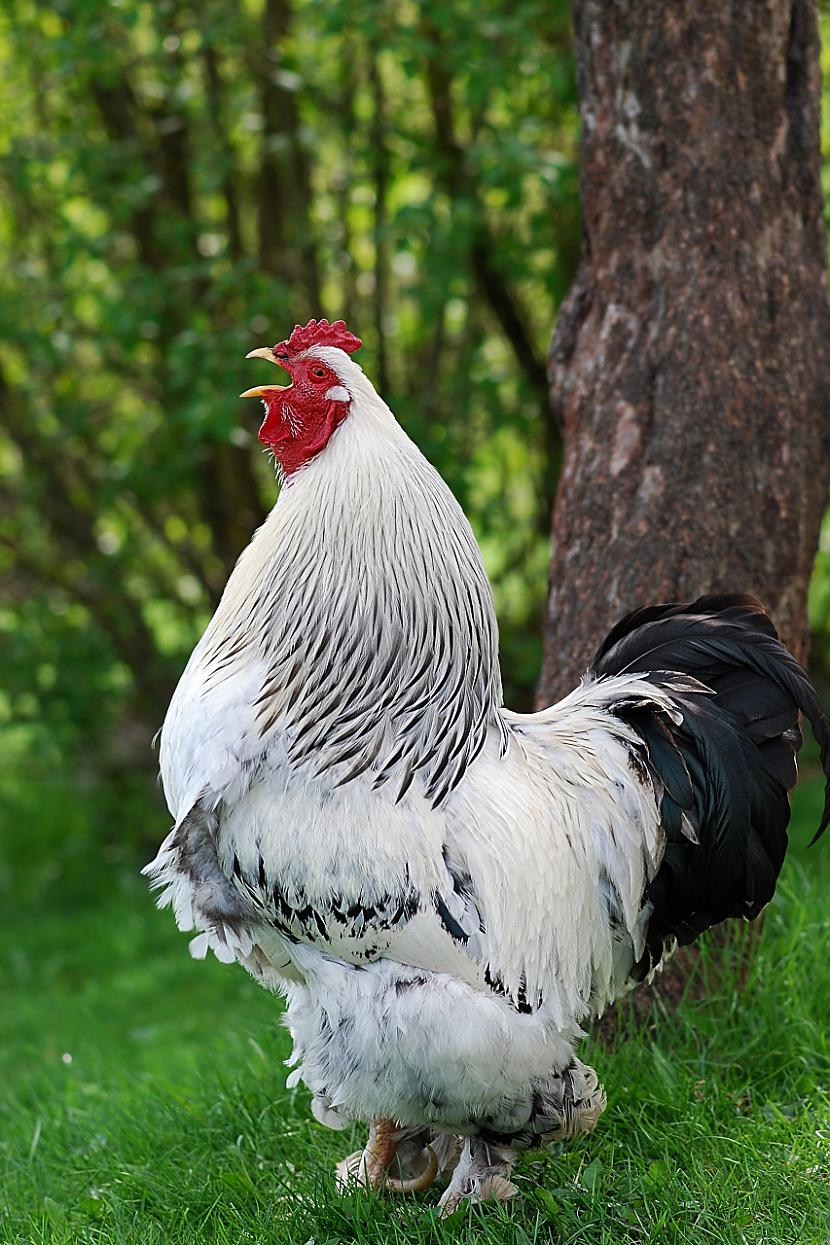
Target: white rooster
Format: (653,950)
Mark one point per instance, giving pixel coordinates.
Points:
(444,891)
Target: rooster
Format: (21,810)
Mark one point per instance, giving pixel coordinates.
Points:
(444,891)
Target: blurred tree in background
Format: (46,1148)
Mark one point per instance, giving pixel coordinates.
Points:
(181,183)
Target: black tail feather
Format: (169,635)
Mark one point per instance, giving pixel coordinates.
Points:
(723,641)
(724,762)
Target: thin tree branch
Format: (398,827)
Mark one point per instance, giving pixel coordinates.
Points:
(284,200)
(503,302)
(380,178)
(214,94)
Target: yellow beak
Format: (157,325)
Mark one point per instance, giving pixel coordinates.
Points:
(262,352)
(260,390)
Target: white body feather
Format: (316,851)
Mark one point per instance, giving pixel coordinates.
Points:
(477,860)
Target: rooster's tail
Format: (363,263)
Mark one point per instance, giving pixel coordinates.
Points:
(723,763)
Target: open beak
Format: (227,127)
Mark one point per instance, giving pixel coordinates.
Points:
(262,352)
(259,391)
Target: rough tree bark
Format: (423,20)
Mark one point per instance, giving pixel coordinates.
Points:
(691,362)
(690,367)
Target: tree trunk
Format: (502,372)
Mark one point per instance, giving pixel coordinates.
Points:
(690,364)
(690,368)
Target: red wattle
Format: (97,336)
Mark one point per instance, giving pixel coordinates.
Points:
(297,426)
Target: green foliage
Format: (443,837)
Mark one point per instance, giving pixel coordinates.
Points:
(182,183)
(142,1094)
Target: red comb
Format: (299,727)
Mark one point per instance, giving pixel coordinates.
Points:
(320,333)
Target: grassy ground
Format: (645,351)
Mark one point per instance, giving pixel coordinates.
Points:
(142,1094)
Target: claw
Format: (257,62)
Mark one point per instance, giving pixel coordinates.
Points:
(352,1170)
(416,1184)
(369,1168)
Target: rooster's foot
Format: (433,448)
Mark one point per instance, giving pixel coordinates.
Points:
(386,1158)
(481,1174)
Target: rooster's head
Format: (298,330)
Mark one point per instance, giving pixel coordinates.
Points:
(301,417)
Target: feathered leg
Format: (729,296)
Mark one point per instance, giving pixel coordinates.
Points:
(482,1172)
(389,1146)
(568,1103)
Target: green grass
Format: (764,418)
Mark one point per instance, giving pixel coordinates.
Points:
(142,1094)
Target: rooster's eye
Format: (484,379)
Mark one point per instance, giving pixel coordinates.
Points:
(319,373)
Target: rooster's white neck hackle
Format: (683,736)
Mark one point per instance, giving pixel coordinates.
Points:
(365,596)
